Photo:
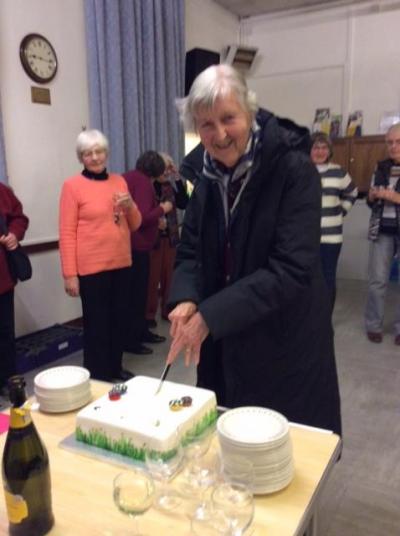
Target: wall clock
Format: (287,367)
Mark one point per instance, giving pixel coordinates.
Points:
(38,58)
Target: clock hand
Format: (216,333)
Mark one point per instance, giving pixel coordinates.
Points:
(40,58)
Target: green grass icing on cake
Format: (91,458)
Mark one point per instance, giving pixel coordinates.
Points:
(124,446)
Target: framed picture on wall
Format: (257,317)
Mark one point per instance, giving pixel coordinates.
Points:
(354,124)
(322,121)
(336,126)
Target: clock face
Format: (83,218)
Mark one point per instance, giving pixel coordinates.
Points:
(38,58)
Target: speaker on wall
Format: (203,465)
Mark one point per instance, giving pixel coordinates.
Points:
(197,60)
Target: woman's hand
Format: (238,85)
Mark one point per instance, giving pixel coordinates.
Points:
(188,338)
(9,241)
(162,224)
(167,206)
(388,195)
(71,285)
(124,201)
(372,194)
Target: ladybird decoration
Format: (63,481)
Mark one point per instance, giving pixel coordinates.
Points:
(117,391)
(186,401)
(175,405)
(178,404)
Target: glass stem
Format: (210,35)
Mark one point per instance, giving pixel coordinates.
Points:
(136,525)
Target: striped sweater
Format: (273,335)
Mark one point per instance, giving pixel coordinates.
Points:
(338,195)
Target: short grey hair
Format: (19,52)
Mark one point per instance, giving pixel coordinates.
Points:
(396,126)
(87,139)
(217,81)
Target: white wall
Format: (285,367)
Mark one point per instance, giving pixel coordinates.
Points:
(344,58)
(209,26)
(40,142)
(40,139)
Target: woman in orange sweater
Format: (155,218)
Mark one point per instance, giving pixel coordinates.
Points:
(97,216)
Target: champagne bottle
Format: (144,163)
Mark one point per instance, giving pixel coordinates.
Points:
(25,467)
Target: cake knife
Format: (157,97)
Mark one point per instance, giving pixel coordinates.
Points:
(163,376)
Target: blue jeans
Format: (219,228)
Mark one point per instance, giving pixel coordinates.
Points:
(381,253)
(329,260)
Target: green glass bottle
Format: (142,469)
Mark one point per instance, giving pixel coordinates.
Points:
(26,472)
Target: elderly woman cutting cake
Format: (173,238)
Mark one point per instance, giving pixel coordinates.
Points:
(249,302)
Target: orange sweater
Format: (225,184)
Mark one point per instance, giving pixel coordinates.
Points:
(90,240)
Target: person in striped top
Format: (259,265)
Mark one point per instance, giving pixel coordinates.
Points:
(338,195)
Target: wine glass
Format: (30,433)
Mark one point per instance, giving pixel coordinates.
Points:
(237,504)
(201,471)
(209,521)
(163,466)
(133,493)
(200,474)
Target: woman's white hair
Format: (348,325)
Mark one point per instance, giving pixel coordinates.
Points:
(168,160)
(87,139)
(218,81)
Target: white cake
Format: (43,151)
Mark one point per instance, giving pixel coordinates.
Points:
(141,419)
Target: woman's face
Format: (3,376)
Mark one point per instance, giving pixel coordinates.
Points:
(94,159)
(320,153)
(224,129)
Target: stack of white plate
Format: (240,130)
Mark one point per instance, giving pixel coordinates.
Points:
(61,389)
(260,436)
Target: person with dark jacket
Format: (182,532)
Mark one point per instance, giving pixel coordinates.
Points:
(250,305)
(192,165)
(149,166)
(384,236)
(16,222)
(168,187)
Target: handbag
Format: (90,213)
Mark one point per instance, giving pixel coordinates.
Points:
(18,261)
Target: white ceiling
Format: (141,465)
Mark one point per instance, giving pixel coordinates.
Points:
(250,8)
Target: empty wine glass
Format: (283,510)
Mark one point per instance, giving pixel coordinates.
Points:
(133,493)
(209,521)
(197,445)
(237,504)
(163,466)
(200,475)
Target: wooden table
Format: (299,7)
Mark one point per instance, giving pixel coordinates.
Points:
(82,487)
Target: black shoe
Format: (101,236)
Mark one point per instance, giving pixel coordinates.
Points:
(139,349)
(153,338)
(123,376)
(151,323)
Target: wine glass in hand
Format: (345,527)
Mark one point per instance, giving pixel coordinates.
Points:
(133,493)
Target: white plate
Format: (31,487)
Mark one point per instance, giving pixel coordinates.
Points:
(61,377)
(60,394)
(51,407)
(63,396)
(252,425)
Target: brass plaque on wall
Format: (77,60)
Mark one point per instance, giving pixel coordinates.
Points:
(40,95)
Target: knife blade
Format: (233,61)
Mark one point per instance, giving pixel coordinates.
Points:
(163,376)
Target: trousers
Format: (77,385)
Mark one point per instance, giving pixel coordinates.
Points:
(381,254)
(329,261)
(7,337)
(162,261)
(105,302)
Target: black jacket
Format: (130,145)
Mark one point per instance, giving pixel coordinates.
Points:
(271,340)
